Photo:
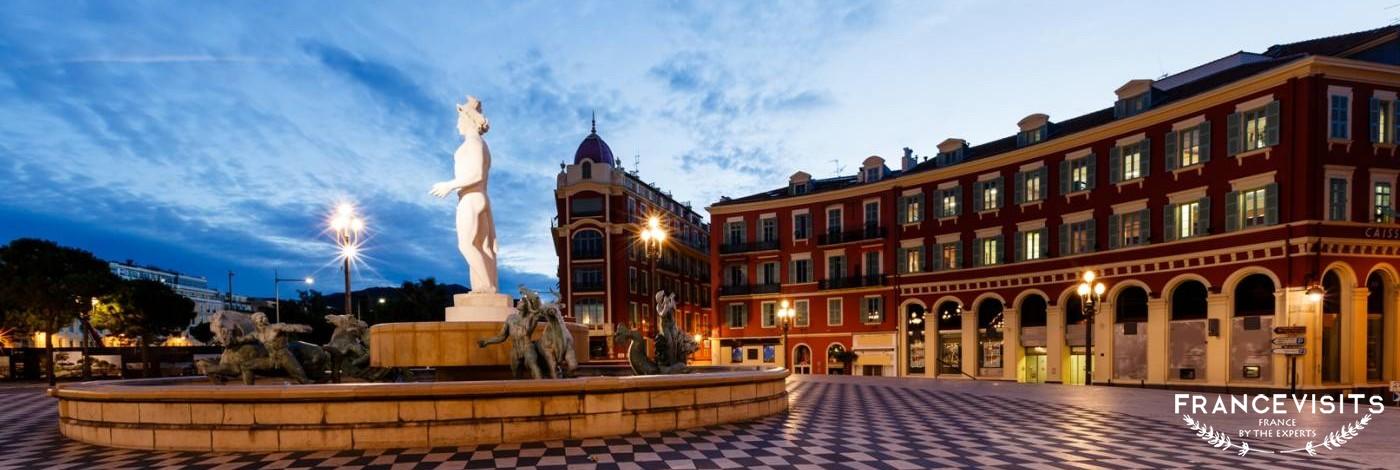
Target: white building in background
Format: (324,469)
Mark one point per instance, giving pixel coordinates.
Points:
(207,301)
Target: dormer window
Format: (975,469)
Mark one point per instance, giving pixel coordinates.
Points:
(1134,97)
(872,174)
(799,183)
(798,189)
(1031,137)
(950,151)
(1034,129)
(872,169)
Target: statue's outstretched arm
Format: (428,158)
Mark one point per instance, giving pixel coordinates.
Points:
(499,338)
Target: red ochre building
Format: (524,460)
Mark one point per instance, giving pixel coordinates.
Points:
(1207,201)
(604,274)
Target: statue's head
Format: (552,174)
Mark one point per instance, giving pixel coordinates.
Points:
(259,319)
(345,321)
(470,120)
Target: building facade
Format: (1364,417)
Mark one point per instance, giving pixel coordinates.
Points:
(606,278)
(1209,202)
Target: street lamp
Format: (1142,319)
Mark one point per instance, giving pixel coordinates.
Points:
(277,292)
(1090,294)
(785,314)
(653,237)
(348,227)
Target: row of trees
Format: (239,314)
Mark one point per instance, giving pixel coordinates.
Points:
(45,287)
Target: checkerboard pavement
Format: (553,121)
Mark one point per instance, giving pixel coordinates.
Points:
(834,422)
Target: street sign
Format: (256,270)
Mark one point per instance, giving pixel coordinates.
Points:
(1290,330)
(1290,351)
(1288,341)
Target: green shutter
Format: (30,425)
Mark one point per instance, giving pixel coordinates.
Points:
(901,263)
(1271,127)
(936,261)
(1001,191)
(958,254)
(1232,132)
(957,201)
(1064,178)
(1375,120)
(977,203)
(903,211)
(1000,255)
(1169,222)
(1113,231)
(976,252)
(1044,243)
(1145,161)
(1093,235)
(1064,239)
(1202,217)
(1115,165)
(1205,141)
(1044,182)
(1020,246)
(1169,149)
(1394,113)
(1232,211)
(1020,187)
(1271,204)
(1145,216)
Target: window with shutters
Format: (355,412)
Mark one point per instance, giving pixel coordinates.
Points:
(911,209)
(1337,199)
(802,315)
(833,312)
(768,229)
(1187,219)
(949,202)
(989,194)
(872,310)
(1129,162)
(1253,207)
(1032,245)
(634,315)
(801,271)
(801,226)
(872,263)
(1129,229)
(1253,129)
(1385,213)
(949,254)
(835,267)
(872,214)
(911,259)
(1256,124)
(1383,122)
(768,314)
(1032,187)
(1080,237)
(734,233)
(1080,171)
(1031,137)
(632,280)
(833,222)
(989,251)
(738,315)
(1190,147)
(768,273)
(736,277)
(1340,114)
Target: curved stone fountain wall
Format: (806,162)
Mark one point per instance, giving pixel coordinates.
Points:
(190,415)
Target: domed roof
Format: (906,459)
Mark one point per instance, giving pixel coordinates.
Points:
(593,148)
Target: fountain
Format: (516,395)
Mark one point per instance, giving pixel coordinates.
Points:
(470,400)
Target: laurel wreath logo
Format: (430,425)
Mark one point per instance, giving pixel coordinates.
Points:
(1332,441)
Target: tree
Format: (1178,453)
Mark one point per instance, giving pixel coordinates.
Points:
(44,286)
(146,310)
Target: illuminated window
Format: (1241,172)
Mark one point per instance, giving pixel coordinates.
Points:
(1384,212)
(1254,208)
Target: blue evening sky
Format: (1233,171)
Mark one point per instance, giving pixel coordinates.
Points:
(207,137)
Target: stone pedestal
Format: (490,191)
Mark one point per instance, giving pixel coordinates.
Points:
(480,307)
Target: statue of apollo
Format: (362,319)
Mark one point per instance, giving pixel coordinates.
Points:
(476,233)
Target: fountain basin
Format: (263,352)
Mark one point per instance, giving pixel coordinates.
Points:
(450,344)
(188,414)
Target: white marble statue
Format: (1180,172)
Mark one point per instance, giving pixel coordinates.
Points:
(476,233)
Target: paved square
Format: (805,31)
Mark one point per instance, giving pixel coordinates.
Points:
(834,422)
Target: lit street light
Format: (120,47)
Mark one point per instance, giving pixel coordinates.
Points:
(1090,294)
(653,241)
(348,227)
(785,314)
(277,292)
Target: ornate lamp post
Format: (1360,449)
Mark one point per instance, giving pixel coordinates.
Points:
(785,314)
(653,242)
(1090,294)
(277,292)
(348,227)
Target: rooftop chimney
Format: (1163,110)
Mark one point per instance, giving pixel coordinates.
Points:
(908,162)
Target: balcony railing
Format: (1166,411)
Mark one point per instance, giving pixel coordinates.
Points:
(588,254)
(867,233)
(869,280)
(747,289)
(729,248)
(587,286)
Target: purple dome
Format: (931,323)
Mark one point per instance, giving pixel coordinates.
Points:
(593,148)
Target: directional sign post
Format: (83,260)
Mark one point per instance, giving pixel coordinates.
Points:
(1290,351)
(1288,341)
(1290,330)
